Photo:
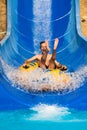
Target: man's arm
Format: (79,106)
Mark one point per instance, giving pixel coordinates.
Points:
(30,60)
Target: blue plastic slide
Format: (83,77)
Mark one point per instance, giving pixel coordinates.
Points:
(28,23)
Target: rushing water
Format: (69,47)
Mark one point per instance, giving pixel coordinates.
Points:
(38,80)
(42,27)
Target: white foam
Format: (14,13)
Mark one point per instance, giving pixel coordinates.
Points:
(48,112)
(38,80)
(55,113)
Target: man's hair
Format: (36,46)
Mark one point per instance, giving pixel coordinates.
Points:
(41,43)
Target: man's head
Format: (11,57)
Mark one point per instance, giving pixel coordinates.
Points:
(43,46)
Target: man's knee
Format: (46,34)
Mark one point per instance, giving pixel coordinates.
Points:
(53,58)
(54,55)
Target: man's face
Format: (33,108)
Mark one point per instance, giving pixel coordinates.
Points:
(43,47)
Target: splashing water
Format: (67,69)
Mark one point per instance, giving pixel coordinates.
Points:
(55,113)
(49,112)
(38,80)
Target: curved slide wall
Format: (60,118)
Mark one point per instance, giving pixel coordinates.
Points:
(28,23)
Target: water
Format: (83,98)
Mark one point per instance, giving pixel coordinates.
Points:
(41,22)
(38,80)
(43,117)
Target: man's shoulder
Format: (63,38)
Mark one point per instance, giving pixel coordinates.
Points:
(38,56)
(49,55)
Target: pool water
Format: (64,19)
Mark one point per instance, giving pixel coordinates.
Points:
(43,117)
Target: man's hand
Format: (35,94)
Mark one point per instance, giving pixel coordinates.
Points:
(56,40)
(26,62)
(47,44)
(25,65)
(56,43)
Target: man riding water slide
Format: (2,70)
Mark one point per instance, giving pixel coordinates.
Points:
(46,60)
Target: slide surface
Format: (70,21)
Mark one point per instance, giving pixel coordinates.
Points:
(28,23)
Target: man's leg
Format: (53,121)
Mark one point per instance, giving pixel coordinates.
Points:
(43,60)
(60,66)
(53,58)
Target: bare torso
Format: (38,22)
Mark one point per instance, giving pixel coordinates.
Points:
(47,59)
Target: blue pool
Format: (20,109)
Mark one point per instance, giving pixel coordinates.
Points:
(43,117)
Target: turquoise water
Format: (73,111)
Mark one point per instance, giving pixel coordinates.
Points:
(43,117)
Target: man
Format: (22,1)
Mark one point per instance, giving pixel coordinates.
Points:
(46,60)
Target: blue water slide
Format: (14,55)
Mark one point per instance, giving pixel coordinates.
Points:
(28,23)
